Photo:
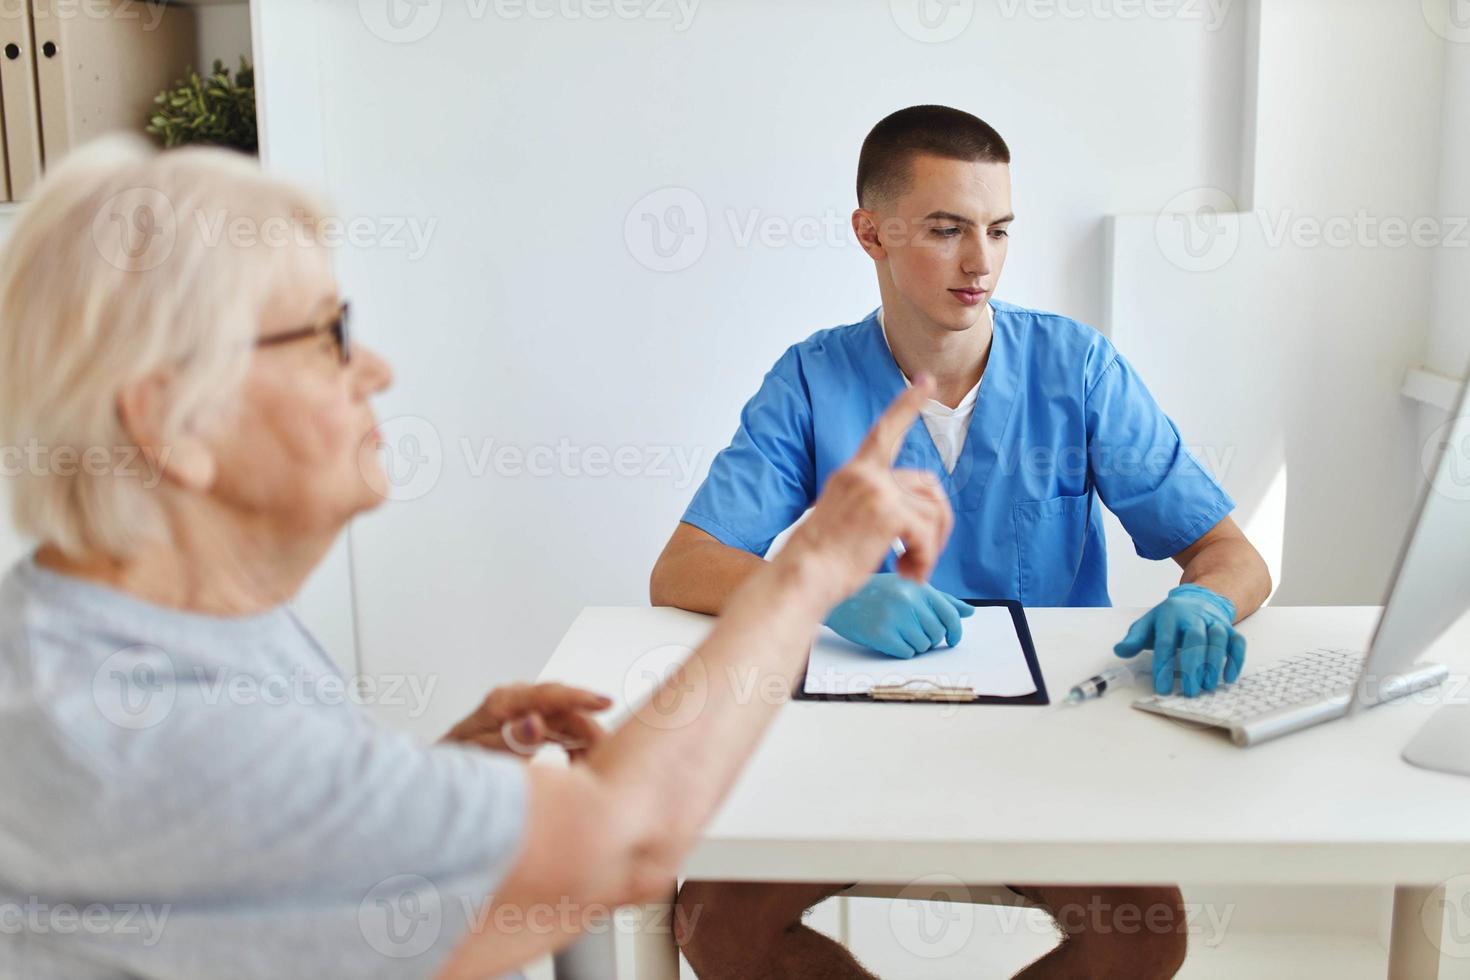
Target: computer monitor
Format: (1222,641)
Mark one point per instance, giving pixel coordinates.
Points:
(1430,591)
(1430,588)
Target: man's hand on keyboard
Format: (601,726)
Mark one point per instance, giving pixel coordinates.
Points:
(1193,628)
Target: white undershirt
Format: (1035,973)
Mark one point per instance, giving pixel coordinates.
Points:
(947,426)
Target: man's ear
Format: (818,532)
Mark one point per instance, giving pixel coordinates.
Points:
(184,459)
(865,227)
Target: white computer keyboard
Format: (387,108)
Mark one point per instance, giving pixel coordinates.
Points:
(1300,690)
(1298,679)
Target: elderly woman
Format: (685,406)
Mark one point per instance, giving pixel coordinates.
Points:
(174,356)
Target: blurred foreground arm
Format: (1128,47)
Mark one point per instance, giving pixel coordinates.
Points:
(614,830)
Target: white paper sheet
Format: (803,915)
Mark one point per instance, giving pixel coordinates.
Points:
(989,660)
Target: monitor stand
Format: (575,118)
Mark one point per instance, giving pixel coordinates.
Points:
(1443,744)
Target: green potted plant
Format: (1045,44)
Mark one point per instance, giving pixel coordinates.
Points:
(216,110)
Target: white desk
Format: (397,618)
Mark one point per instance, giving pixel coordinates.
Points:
(1097,793)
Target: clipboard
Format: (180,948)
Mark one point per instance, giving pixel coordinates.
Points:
(925,692)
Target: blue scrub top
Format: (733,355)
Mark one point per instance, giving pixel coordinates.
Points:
(1061,420)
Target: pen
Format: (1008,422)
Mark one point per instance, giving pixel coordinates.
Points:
(1098,683)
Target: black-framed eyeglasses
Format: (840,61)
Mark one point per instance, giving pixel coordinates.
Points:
(337,327)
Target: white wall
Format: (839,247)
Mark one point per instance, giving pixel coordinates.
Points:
(529,321)
(224,33)
(1447,348)
(1282,354)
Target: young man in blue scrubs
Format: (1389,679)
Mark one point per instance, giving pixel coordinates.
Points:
(1036,420)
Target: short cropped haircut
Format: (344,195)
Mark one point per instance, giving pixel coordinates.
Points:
(130,263)
(885,165)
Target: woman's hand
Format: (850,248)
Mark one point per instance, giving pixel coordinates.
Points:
(521,718)
(867,504)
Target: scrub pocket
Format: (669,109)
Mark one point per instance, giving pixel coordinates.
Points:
(1050,536)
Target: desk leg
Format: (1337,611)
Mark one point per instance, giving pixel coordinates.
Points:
(1412,953)
(644,942)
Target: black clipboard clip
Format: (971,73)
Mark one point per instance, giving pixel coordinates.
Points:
(920,689)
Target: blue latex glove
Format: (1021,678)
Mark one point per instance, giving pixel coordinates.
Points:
(899,617)
(1193,628)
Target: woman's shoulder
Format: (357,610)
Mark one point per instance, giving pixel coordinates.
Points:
(59,632)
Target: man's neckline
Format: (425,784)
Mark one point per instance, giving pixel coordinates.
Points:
(971,396)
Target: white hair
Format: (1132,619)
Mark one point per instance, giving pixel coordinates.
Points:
(127,263)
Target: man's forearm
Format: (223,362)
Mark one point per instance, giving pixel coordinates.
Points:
(1234,569)
(700,575)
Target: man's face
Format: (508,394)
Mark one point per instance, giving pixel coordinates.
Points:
(943,240)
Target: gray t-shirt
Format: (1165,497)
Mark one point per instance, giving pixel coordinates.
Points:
(189,796)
